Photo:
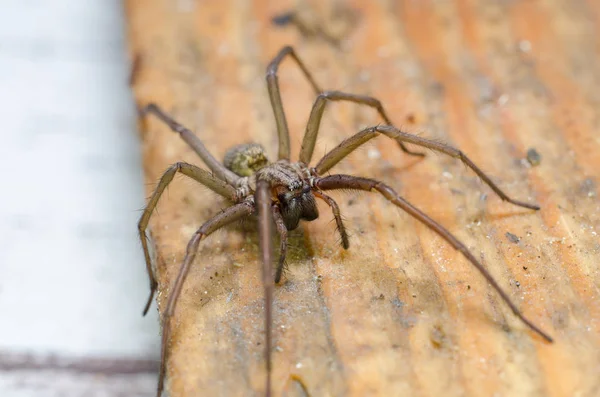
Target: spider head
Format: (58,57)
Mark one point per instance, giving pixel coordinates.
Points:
(290,192)
(296,204)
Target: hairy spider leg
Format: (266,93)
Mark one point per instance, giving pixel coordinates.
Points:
(262,198)
(275,96)
(312,128)
(336,215)
(351,182)
(283,237)
(229,215)
(194,142)
(198,174)
(349,145)
(314,120)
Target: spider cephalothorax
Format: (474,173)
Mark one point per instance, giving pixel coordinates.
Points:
(290,188)
(283,192)
(291,192)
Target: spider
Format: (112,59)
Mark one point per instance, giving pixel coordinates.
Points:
(283,192)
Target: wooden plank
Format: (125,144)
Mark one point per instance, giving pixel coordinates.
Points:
(400,313)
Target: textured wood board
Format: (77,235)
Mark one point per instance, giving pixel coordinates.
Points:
(400,313)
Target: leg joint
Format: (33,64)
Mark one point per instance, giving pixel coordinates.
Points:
(175,168)
(194,241)
(326,94)
(271,72)
(141,227)
(151,107)
(178,128)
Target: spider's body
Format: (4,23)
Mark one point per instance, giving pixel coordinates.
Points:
(289,183)
(283,192)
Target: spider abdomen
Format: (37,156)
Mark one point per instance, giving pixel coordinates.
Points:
(245,159)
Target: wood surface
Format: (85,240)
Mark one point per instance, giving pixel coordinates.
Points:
(400,313)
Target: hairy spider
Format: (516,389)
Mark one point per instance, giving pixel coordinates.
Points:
(284,192)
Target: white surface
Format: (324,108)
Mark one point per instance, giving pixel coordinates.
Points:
(72,277)
(61,384)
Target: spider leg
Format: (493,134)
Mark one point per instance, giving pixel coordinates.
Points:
(336,214)
(194,142)
(369,185)
(275,96)
(262,198)
(314,121)
(283,237)
(198,174)
(226,217)
(349,145)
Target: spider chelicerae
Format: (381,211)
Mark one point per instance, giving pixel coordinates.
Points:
(283,192)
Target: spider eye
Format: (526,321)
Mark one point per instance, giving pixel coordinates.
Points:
(306,189)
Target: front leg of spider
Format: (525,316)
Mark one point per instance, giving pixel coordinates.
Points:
(283,236)
(370,185)
(228,216)
(314,120)
(262,197)
(282,196)
(349,182)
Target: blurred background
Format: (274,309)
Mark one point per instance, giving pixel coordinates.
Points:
(72,277)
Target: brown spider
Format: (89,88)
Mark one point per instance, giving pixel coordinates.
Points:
(285,192)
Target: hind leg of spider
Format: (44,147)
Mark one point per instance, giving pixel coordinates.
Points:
(262,198)
(194,142)
(349,145)
(198,174)
(275,97)
(370,185)
(314,121)
(336,215)
(230,215)
(283,242)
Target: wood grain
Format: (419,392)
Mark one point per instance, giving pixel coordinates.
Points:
(400,312)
